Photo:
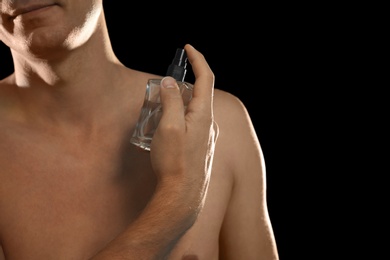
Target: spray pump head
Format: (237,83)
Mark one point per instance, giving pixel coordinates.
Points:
(177,69)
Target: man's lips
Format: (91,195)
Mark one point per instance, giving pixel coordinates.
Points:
(28,9)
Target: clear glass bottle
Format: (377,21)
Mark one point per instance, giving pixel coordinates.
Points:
(151,109)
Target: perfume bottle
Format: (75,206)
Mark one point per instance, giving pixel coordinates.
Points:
(151,109)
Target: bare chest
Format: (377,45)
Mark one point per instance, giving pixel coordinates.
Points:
(61,199)
(58,201)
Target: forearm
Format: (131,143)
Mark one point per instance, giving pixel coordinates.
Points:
(181,155)
(155,232)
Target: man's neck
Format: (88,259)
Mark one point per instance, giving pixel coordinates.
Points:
(78,89)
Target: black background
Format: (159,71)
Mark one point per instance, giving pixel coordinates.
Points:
(265,59)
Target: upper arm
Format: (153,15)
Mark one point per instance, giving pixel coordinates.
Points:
(246,232)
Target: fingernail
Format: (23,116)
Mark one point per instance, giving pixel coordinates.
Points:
(168,82)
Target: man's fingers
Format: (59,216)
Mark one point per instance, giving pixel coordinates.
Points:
(204,85)
(172,103)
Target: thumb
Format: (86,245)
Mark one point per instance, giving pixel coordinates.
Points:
(171,102)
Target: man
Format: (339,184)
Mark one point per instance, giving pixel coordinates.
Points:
(71,184)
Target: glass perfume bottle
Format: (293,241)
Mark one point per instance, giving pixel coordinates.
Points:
(151,109)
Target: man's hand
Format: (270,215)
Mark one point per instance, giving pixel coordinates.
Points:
(182,153)
(183,145)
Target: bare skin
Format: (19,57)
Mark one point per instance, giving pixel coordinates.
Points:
(71,184)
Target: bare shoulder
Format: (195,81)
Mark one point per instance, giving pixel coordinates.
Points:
(238,146)
(238,151)
(6,87)
(7,96)
(5,84)
(229,109)
(237,133)
(7,80)
(140,77)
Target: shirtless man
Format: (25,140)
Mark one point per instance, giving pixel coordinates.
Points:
(72,187)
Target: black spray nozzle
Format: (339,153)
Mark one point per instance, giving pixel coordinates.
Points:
(177,69)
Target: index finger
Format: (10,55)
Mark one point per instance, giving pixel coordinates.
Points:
(204,76)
